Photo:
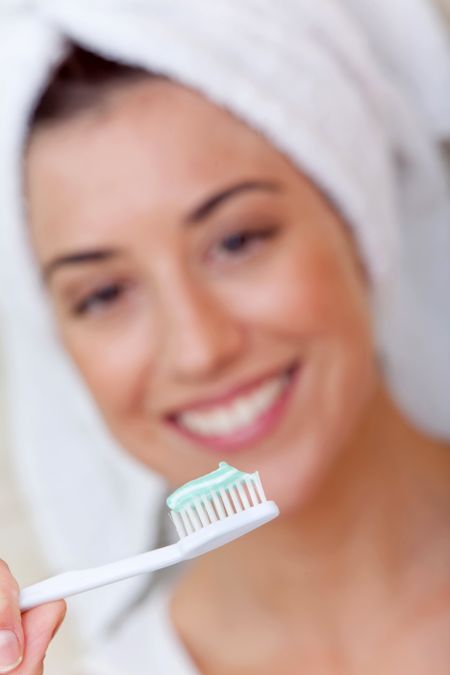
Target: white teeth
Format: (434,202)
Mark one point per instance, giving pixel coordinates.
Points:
(242,412)
(221,421)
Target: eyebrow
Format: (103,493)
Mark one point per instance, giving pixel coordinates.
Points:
(81,257)
(197,216)
(204,210)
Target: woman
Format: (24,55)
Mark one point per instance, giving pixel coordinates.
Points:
(236,262)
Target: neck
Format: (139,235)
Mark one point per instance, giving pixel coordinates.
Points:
(374,533)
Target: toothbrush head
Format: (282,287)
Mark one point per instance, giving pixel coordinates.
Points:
(211,511)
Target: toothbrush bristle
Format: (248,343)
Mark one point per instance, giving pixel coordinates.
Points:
(218,505)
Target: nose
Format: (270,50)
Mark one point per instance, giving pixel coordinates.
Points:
(202,335)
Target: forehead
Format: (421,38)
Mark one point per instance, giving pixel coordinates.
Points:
(157,123)
(154,144)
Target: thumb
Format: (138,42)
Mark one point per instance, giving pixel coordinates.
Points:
(39,626)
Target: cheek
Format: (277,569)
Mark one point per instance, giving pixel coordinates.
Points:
(116,363)
(313,306)
(320,310)
(310,295)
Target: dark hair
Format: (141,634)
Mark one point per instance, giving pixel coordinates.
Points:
(78,84)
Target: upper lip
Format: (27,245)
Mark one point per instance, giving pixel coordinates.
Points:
(230,394)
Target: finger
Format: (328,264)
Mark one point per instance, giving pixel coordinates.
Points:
(11,633)
(40,625)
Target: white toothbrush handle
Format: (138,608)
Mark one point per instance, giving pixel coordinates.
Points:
(78,581)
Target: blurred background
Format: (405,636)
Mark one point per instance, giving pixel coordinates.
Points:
(19,544)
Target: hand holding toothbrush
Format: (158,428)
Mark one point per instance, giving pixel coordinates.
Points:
(24,638)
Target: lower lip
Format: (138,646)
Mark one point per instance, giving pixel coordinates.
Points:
(251,434)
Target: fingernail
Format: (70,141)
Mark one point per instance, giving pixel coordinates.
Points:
(10,651)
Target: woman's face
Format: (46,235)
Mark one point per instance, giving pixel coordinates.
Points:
(208,293)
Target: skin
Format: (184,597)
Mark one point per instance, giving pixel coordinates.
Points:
(34,629)
(353,577)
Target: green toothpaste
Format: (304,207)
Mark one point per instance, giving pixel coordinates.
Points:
(199,488)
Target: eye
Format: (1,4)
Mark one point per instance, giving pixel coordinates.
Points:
(99,300)
(243,242)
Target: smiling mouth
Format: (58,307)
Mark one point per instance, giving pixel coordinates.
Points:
(242,419)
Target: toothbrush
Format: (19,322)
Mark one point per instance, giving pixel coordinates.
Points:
(207,512)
